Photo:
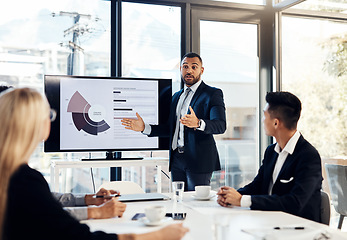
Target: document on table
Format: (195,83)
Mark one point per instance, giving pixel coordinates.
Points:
(288,233)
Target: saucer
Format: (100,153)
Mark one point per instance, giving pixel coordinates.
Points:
(145,221)
(204,198)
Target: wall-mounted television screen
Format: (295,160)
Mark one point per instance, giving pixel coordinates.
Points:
(90,109)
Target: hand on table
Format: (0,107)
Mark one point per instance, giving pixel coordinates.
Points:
(228,196)
(91,200)
(111,208)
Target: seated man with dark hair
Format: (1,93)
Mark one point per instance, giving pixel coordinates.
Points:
(290,177)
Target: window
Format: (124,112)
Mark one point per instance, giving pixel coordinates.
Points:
(314,68)
(229,51)
(151,47)
(336,6)
(38,38)
(151,41)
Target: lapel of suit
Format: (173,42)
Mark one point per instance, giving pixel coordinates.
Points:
(290,158)
(175,99)
(270,169)
(197,94)
(173,117)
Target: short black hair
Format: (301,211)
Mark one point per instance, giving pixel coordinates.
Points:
(191,55)
(285,106)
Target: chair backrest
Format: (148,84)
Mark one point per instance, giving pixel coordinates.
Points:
(124,187)
(337,181)
(325,208)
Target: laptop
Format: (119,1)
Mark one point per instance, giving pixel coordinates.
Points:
(142,197)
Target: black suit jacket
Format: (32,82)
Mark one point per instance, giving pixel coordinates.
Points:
(33,213)
(200,149)
(300,196)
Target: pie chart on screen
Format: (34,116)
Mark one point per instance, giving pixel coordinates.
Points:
(86,117)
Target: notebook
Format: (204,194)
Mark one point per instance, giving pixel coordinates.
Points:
(142,197)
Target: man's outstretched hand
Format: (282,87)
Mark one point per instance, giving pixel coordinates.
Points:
(137,124)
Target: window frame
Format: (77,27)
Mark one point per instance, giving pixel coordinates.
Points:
(269,18)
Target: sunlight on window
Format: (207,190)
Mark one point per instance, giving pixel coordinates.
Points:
(151,41)
(229,51)
(314,68)
(338,6)
(39,38)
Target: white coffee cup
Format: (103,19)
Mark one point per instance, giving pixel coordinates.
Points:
(202,191)
(155,213)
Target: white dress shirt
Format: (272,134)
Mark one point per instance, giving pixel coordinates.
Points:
(184,110)
(75,205)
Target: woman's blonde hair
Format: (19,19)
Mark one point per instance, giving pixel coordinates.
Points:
(22,115)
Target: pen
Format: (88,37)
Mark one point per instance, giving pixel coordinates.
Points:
(107,196)
(294,228)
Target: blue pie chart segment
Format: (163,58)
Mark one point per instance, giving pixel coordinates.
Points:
(79,108)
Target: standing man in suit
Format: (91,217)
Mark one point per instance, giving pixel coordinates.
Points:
(290,177)
(197,112)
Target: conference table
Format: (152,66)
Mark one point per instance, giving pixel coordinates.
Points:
(207,220)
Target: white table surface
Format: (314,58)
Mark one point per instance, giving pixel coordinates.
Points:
(202,216)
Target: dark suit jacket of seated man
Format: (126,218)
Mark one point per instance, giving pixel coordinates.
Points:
(296,189)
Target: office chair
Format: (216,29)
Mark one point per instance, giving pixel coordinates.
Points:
(325,208)
(125,187)
(337,181)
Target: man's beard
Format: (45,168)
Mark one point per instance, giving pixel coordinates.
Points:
(195,79)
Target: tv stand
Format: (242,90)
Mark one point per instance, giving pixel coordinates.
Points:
(112,156)
(112,159)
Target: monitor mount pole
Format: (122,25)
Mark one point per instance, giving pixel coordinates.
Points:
(115,172)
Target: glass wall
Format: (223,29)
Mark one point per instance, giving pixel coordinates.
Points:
(230,55)
(73,37)
(151,47)
(54,37)
(314,68)
(335,6)
(314,63)
(151,43)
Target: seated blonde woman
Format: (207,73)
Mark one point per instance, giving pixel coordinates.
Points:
(85,206)
(28,209)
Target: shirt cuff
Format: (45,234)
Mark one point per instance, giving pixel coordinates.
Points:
(66,199)
(80,200)
(202,125)
(147,129)
(246,201)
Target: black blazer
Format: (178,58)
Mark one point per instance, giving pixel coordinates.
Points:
(33,213)
(200,149)
(300,196)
